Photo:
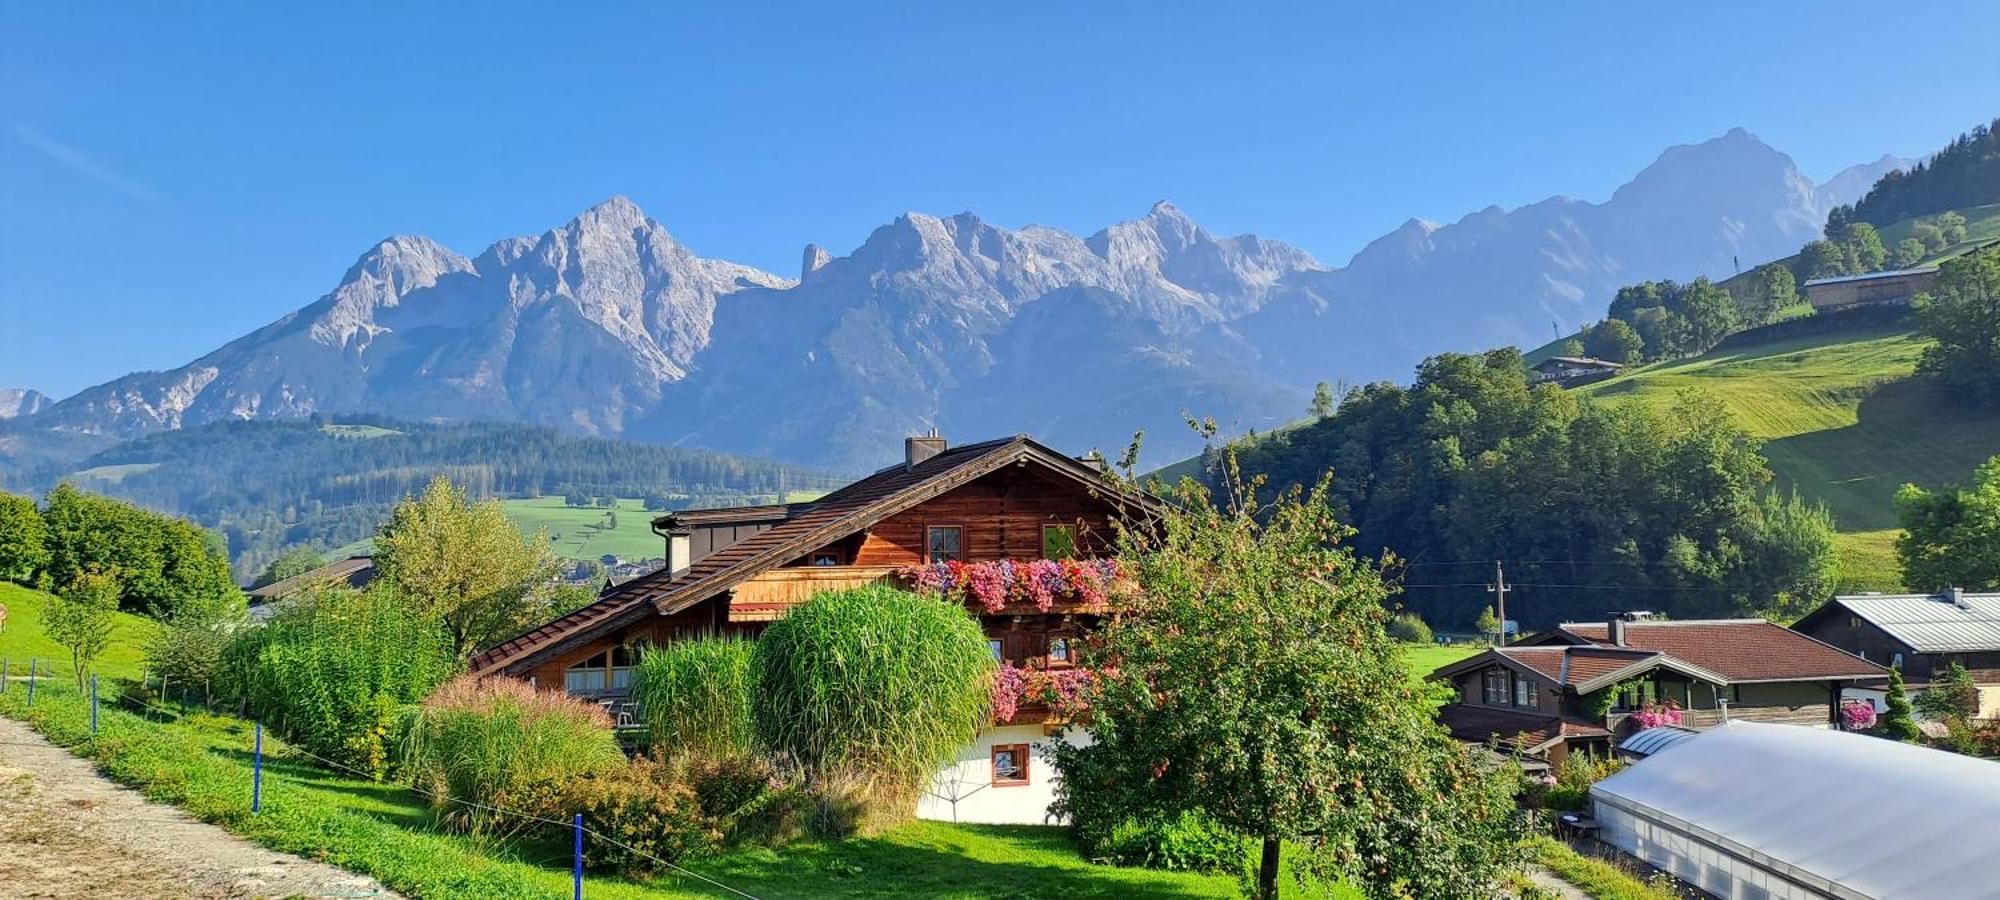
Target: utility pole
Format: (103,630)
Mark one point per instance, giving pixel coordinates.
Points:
(1499,589)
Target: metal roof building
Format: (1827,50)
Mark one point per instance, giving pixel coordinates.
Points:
(1748,810)
(1952,622)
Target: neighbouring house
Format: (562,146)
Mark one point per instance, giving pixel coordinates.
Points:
(1920,635)
(1750,810)
(1897,286)
(1580,686)
(734,571)
(354,572)
(1571,371)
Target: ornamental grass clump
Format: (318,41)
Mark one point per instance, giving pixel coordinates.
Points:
(868,692)
(334,670)
(485,739)
(696,697)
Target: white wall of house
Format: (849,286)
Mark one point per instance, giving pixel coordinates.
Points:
(966,790)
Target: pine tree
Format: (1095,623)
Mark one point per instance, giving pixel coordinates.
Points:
(1898,723)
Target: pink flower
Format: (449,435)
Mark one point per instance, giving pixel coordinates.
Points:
(1009,685)
(1857,716)
(1044,582)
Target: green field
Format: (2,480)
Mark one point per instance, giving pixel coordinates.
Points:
(1982,226)
(590,532)
(1426,659)
(24,640)
(1843,422)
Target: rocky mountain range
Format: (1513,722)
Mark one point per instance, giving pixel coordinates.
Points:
(608,325)
(21,402)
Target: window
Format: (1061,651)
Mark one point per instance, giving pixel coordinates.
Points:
(1010,765)
(1496,686)
(623,661)
(1896,661)
(944,542)
(1525,690)
(1854,621)
(586,677)
(826,559)
(1059,650)
(607,671)
(1058,541)
(998,647)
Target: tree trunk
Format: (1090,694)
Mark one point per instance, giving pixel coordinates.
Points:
(1267,871)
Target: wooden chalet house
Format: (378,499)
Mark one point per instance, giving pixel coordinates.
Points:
(733,571)
(1587,685)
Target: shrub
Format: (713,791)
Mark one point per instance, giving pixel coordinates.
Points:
(869,691)
(188,646)
(696,696)
(1190,843)
(648,813)
(80,618)
(479,739)
(1409,628)
(333,671)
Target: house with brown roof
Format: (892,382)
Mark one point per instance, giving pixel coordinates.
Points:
(734,571)
(1920,635)
(1582,685)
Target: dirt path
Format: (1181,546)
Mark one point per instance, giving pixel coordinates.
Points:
(66,831)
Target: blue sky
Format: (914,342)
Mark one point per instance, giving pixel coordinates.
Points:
(172,176)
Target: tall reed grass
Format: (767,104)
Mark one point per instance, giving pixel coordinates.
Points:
(482,739)
(869,691)
(696,697)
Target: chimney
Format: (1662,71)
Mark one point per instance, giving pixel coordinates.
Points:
(920,448)
(1614,630)
(680,551)
(1957,596)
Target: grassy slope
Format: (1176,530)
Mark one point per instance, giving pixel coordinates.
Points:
(1843,423)
(24,638)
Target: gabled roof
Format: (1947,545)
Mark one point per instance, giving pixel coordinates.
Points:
(1584,667)
(1527,732)
(1739,651)
(354,571)
(729,515)
(844,512)
(1931,623)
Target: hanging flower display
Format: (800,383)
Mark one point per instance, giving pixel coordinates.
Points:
(1656,715)
(1009,686)
(1857,716)
(1065,693)
(997,584)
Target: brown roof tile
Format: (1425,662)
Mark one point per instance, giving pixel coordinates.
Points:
(1738,649)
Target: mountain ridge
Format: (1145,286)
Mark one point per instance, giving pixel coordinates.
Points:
(608,325)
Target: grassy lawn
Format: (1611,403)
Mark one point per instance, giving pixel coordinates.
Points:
(1595,877)
(201,763)
(588,532)
(1425,659)
(1843,422)
(24,638)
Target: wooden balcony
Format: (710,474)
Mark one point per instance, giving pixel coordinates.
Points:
(767,596)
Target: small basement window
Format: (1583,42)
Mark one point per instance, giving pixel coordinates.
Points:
(998,647)
(1058,541)
(1059,650)
(1010,765)
(943,543)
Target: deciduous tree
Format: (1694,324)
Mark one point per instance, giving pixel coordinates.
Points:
(1962,317)
(1249,679)
(23,539)
(466,565)
(1951,536)
(80,617)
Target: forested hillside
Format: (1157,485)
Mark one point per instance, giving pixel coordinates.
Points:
(1594,507)
(1965,173)
(323,483)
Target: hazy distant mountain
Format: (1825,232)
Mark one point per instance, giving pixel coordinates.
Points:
(1524,276)
(21,402)
(608,325)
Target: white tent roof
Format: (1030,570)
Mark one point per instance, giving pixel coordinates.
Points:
(1876,817)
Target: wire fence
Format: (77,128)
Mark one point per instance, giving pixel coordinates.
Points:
(141,704)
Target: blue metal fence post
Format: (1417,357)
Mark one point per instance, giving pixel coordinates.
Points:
(5,674)
(257,771)
(93,703)
(579,856)
(33,664)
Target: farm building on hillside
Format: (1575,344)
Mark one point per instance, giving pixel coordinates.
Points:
(1748,810)
(1897,286)
(354,572)
(1581,685)
(1920,635)
(1570,371)
(734,571)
